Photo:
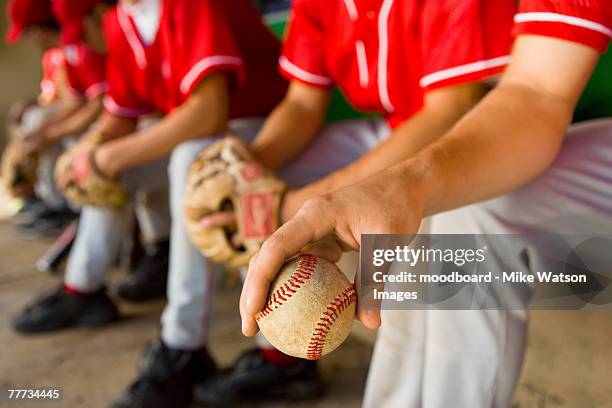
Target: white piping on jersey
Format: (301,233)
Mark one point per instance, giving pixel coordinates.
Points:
(71,54)
(463,70)
(203,65)
(383,55)
(362,61)
(362,64)
(96,89)
(352,9)
(302,74)
(57,57)
(132,39)
(118,110)
(562,18)
(47,86)
(147,17)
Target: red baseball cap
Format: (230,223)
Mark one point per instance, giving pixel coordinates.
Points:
(26,13)
(70,14)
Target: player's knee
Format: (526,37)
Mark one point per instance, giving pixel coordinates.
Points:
(181,158)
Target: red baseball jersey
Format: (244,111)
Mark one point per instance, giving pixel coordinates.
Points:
(158,56)
(384,54)
(585,22)
(52,62)
(86,71)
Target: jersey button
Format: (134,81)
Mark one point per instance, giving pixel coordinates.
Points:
(371,14)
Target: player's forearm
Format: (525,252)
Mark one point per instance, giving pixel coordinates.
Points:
(204,114)
(506,141)
(194,119)
(78,122)
(513,135)
(287,132)
(65,109)
(113,127)
(442,111)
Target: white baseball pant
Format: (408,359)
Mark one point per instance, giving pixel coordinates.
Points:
(45,187)
(472,359)
(98,242)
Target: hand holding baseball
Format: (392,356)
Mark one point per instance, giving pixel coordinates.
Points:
(373,206)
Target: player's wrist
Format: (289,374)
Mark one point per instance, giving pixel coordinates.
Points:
(416,179)
(105,163)
(292,201)
(266,153)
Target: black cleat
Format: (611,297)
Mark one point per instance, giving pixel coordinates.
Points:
(32,208)
(61,310)
(252,378)
(166,378)
(45,224)
(151,276)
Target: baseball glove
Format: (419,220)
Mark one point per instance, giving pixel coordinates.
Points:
(226,175)
(81,182)
(18,170)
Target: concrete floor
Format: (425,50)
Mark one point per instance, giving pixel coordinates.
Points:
(569,359)
(94,365)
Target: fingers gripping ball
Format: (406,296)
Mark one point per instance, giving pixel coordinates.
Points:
(18,170)
(227,174)
(310,308)
(81,183)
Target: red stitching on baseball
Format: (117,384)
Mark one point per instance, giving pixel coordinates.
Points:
(305,267)
(327,319)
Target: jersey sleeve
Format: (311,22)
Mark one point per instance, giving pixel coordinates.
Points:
(206,43)
(86,71)
(92,74)
(120,100)
(584,22)
(303,57)
(464,41)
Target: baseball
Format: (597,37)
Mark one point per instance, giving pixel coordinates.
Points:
(310,308)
